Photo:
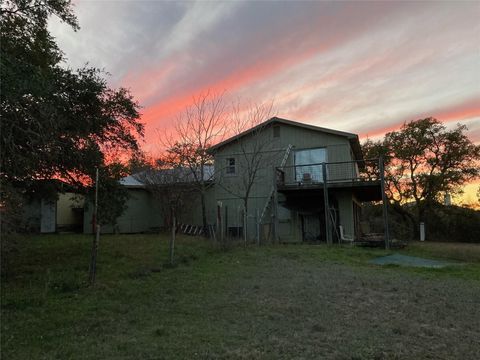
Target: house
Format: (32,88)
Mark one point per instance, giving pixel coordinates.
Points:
(309,183)
(281,181)
(147,207)
(53,206)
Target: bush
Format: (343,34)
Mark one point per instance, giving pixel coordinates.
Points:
(453,223)
(442,223)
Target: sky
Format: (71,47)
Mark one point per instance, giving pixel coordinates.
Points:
(361,67)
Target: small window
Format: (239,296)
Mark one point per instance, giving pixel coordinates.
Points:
(231,169)
(276,131)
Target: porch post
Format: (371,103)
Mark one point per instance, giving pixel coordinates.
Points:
(325,200)
(381,167)
(275,207)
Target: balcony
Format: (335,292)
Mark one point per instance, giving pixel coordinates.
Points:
(362,177)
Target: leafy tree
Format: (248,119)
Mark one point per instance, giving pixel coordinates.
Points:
(424,160)
(111,197)
(56,122)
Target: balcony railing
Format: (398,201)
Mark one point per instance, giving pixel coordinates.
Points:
(332,172)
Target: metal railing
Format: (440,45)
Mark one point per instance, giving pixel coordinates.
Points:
(331,172)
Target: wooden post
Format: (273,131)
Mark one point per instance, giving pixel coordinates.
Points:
(93,259)
(257,222)
(226,224)
(381,167)
(219,222)
(245,219)
(275,208)
(172,240)
(96,237)
(328,233)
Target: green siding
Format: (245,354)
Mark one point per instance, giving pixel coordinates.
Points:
(143,213)
(338,149)
(345,209)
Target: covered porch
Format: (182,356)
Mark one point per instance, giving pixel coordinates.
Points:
(327,197)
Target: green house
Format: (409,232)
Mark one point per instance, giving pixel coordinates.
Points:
(297,182)
(280,181)
(146,211)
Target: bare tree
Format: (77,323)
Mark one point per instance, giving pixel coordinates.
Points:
(200,126)
(255,153)
(171,186)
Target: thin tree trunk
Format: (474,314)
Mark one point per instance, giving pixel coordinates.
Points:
(204,213)
(245,220)
(93,259)
(172,240)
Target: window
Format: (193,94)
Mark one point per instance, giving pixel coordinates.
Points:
(308,166)
(276,131)
(231,169)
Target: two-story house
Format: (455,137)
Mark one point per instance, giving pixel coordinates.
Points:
(298,182)
(280,181)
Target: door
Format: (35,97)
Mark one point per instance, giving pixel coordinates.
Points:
(48,219)
(312,227)
(304,170)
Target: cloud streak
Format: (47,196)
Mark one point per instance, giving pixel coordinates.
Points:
(359,67)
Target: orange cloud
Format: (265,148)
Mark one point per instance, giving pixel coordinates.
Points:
(457,113)
(164,111)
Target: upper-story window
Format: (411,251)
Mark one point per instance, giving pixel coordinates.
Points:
(276,131)
(308,164)
(231,168)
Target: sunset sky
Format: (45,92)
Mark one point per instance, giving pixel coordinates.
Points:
(358,67)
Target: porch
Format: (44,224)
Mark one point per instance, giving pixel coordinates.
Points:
(313,188)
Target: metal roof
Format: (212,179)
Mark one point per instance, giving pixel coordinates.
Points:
(164,177)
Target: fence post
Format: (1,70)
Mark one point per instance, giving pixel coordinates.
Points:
(257,222)
(172,240)
(275,207)
(245,225)
(381,167)
(219,228)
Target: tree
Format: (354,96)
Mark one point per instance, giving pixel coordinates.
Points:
(199,127)
(112,198)
(255,154)
(171,185)
(56,122)
(424,160)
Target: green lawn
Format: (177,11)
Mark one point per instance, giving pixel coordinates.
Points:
(290,302)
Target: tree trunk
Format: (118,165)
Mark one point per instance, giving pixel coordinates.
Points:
(204,213)
(93,258)
(172,240)
(245,220)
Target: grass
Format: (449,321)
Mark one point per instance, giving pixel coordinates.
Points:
(296,301)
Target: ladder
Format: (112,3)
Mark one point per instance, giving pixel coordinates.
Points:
(272,191)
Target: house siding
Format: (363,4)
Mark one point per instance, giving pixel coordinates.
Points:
(289,226)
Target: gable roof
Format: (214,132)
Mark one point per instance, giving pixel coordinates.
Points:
(353,138)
